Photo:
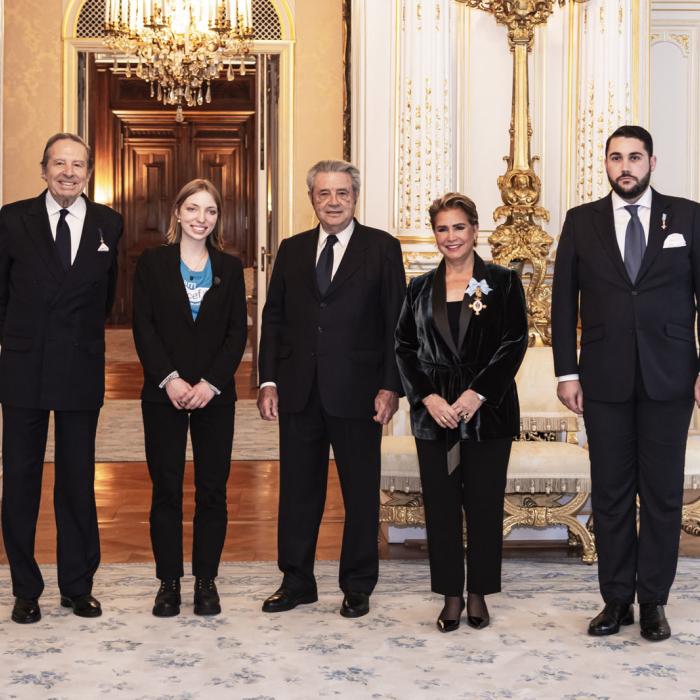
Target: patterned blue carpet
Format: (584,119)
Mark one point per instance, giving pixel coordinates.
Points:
(536,646)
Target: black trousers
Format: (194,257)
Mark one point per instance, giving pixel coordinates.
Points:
(477,488)
(637,447)
(304,449)
(165,432)
(78,543)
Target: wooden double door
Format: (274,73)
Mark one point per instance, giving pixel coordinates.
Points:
(143,156)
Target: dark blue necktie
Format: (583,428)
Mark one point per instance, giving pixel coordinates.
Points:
(634,242)
(324,266)
(63,239)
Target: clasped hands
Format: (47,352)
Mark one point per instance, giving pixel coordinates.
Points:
(449,415)
(184,396)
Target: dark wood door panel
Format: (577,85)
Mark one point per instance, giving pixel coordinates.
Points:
(143,157)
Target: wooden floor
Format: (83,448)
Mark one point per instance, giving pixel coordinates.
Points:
(123,499)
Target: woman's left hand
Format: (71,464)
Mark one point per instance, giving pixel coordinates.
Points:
(200,396)
(467,405)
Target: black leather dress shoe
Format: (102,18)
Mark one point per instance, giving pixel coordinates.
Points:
(609,619)
(653,623)
(449,625)
(284,599)
(83,605)
(206,597)
(26,611)
(355,604)
(167,603)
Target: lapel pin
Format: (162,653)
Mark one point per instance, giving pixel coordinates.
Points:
(103,247)
(663,221)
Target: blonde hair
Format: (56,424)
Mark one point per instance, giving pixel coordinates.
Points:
(453,200)
(174,233)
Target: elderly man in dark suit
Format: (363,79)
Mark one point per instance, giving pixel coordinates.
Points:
(58,271)
(327,367)
(630,265)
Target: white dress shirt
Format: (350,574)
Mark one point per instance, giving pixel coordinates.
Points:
(338,251)
(75,220)
(622,217)
(339,248)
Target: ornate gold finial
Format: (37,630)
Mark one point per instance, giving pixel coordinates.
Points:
(520,239)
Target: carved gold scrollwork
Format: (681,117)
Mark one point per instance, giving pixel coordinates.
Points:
(520,240)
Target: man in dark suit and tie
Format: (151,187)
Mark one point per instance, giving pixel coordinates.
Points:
(629,264)
(327,368)
(58,272)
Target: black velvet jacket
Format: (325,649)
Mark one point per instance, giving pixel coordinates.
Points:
(490,349)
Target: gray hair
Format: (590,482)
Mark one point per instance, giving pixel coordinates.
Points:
(334,166)
(65,136)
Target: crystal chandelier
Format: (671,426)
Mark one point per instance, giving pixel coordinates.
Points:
(180,45)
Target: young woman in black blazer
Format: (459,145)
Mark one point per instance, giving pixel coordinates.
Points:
(190,326)
(461,337)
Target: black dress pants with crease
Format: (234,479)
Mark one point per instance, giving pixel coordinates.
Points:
(304,449)
(165,431)
(476,488)
(637,447)
(78,543)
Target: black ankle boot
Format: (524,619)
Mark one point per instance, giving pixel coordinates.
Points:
(206,597)
(167,603)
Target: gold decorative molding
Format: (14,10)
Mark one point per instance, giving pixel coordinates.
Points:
(679,39)
(520,241)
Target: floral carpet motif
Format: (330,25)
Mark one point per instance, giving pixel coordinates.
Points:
(536,646)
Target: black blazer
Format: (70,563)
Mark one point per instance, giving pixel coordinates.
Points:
(168,339)
(486,359)
(652,319)
(51,321)
(346,338)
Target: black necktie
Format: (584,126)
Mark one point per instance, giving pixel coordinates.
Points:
(634,242)
(324,266)
(63,239)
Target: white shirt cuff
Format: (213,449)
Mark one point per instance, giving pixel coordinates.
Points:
(172,375)
(568,378)
(481,398)
(211,386)
(264,384)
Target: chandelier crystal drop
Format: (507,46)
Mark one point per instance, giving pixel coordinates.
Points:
(180,46)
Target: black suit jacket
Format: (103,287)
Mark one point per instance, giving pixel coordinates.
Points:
(168,339)
(486,358)
(652,319)
(346,338)
(52,321)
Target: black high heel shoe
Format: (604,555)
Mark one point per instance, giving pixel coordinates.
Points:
(450,625)
(478,622)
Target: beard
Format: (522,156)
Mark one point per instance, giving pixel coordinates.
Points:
(633,192)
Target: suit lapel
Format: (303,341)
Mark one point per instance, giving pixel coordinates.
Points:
(655,242)
(439,301)
(353,258)
(604,225)
(37,224)
(89,242)
(308,259)
(216,258)
(175,282)
(465,314)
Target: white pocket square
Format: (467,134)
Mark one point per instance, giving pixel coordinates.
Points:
(674,240)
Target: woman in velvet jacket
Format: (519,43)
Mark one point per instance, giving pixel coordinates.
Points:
(461,337)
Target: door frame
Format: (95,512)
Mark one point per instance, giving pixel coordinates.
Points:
(284,209)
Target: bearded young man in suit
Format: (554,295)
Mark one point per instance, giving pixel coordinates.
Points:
(58,273)
(327,368)
(630,264)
